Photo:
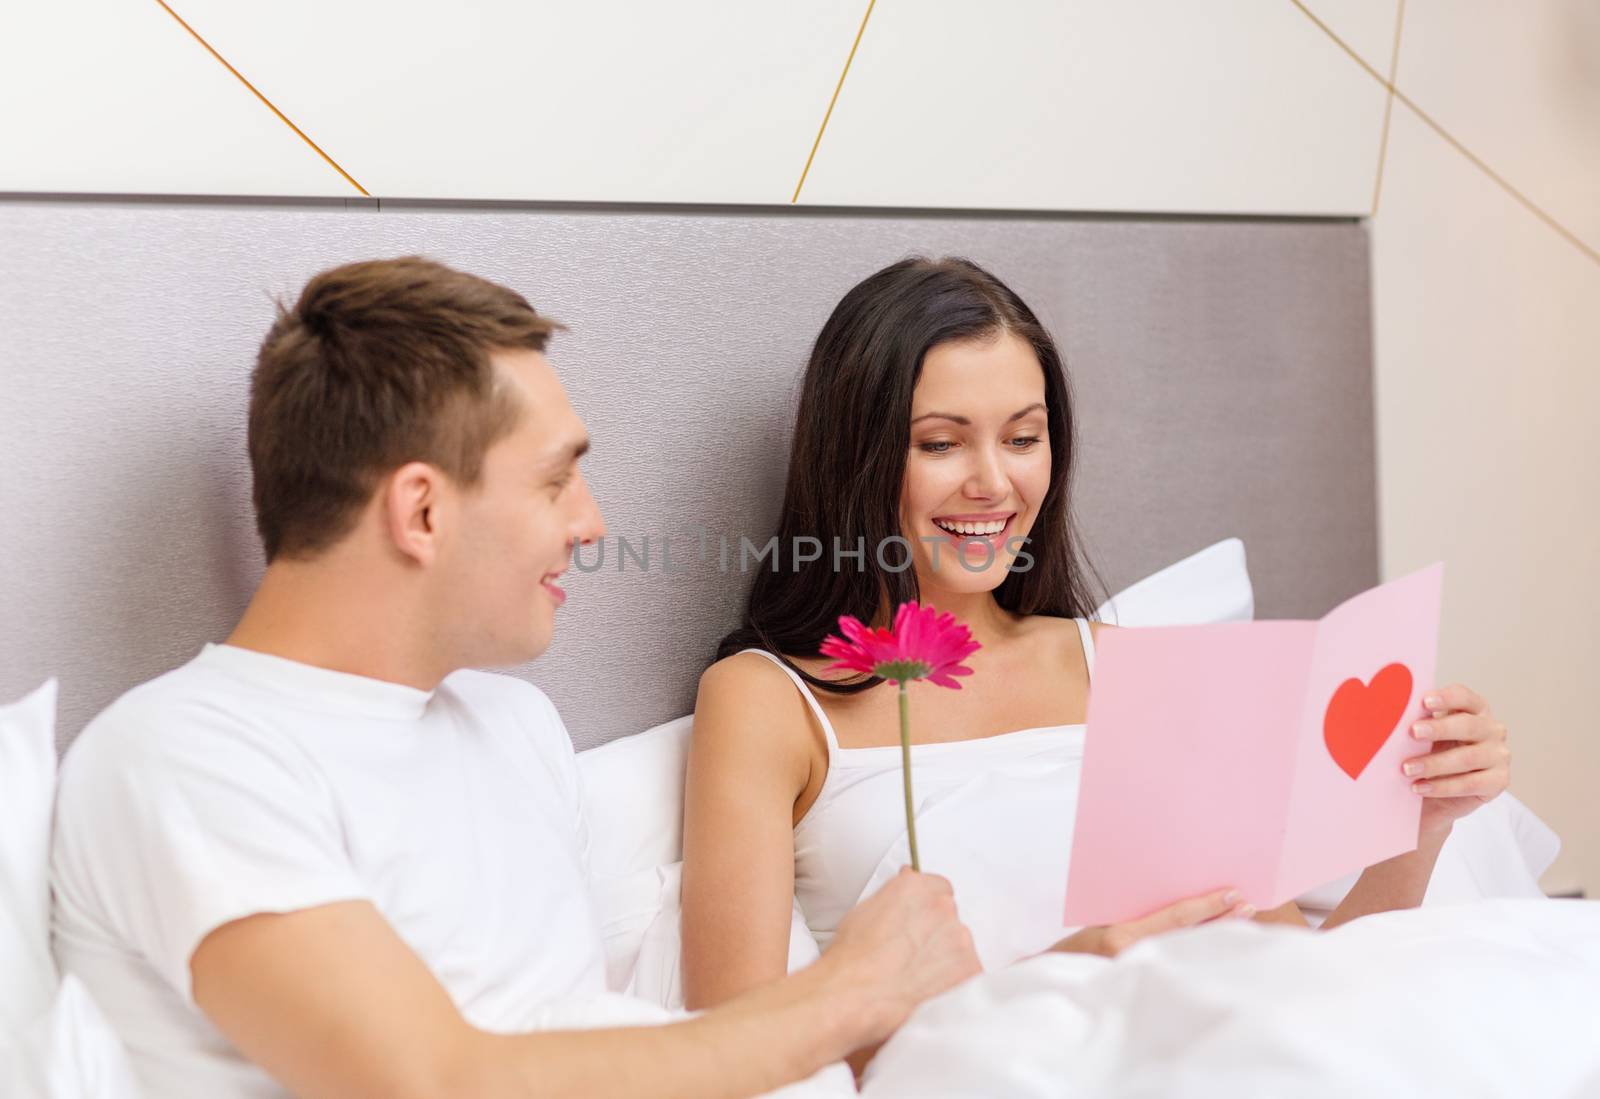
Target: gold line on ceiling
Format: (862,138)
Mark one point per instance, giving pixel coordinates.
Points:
(1388,105)
(285,118)
(1427,119)
(824,127)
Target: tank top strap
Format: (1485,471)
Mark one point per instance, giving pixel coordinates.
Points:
(805,692)
(1087,637)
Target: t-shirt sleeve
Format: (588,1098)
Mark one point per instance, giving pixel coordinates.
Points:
(180,827)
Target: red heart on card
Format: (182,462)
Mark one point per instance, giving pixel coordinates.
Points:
(1360,717)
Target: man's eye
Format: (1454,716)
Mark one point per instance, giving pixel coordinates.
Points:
(560,484)
(935,448)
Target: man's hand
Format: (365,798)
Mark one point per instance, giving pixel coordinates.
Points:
(899,947)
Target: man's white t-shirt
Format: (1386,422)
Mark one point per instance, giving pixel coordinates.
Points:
(243,783)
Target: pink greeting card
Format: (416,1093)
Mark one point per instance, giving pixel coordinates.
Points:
(1259,755)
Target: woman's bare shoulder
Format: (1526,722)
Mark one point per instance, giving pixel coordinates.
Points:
(746,690)
(744,676)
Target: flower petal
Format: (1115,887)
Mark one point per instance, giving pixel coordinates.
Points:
(923,643)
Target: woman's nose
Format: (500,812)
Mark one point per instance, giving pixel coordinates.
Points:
(988,479)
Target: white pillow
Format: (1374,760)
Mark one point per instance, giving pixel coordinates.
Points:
(53,1042)
(27,792)
(633,799)
(633,806)
(1210,586)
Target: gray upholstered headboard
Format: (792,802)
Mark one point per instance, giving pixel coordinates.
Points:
(1222,368)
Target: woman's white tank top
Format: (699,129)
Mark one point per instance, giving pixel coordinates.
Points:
(994,815)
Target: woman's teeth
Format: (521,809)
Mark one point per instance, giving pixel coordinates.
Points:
(980,529)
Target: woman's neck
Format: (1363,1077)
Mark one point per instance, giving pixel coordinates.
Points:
(975,610)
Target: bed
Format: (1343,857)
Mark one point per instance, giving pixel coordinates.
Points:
(1222,369)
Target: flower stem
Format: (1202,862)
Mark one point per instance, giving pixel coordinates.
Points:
(905,771)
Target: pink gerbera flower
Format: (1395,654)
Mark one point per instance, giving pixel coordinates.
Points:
(922,644)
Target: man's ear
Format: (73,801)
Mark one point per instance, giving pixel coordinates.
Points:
(412,498)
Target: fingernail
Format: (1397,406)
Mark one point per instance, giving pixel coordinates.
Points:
(1412,767)
(1247,911)
(1231,897)
(1421,730)
(1431,702)
(1422,787)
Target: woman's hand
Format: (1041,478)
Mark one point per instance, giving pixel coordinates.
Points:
(1109,941)
(1469,763)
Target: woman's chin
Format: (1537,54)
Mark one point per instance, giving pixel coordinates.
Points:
(965,581)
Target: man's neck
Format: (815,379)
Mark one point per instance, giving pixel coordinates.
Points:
(342,615)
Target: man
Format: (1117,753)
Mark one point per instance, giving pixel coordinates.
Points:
(320,859)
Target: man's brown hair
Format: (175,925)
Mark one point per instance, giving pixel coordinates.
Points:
(378,364)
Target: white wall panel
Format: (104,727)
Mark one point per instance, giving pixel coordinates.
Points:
(1487,335)
(1366,26)
(1155,105)
(1519,85)
(114,96)
(691,101)
(1158,105)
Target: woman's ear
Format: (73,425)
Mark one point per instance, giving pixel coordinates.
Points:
(413,496)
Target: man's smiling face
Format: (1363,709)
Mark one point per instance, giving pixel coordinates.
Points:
(499,586)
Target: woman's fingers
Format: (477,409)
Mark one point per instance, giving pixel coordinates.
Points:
(1462,726)
(1193,910)
(1470,756)
(1190,911)
(1483,784)
(1457,761)
(1454,697)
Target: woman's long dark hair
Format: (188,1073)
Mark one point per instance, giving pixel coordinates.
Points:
(849,458)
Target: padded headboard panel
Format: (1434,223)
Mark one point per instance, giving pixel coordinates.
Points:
(1222,368)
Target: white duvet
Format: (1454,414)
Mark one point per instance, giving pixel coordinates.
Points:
(1494,998)
(1490,998)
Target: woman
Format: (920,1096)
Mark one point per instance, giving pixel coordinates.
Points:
(936,422)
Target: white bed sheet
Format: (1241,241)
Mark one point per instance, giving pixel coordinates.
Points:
(1491,998)
(1494,998)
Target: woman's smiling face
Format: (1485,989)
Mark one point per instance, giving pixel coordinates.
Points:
(979,465)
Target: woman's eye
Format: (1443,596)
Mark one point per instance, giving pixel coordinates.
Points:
(935,448)
(559,485)
(1025,442)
